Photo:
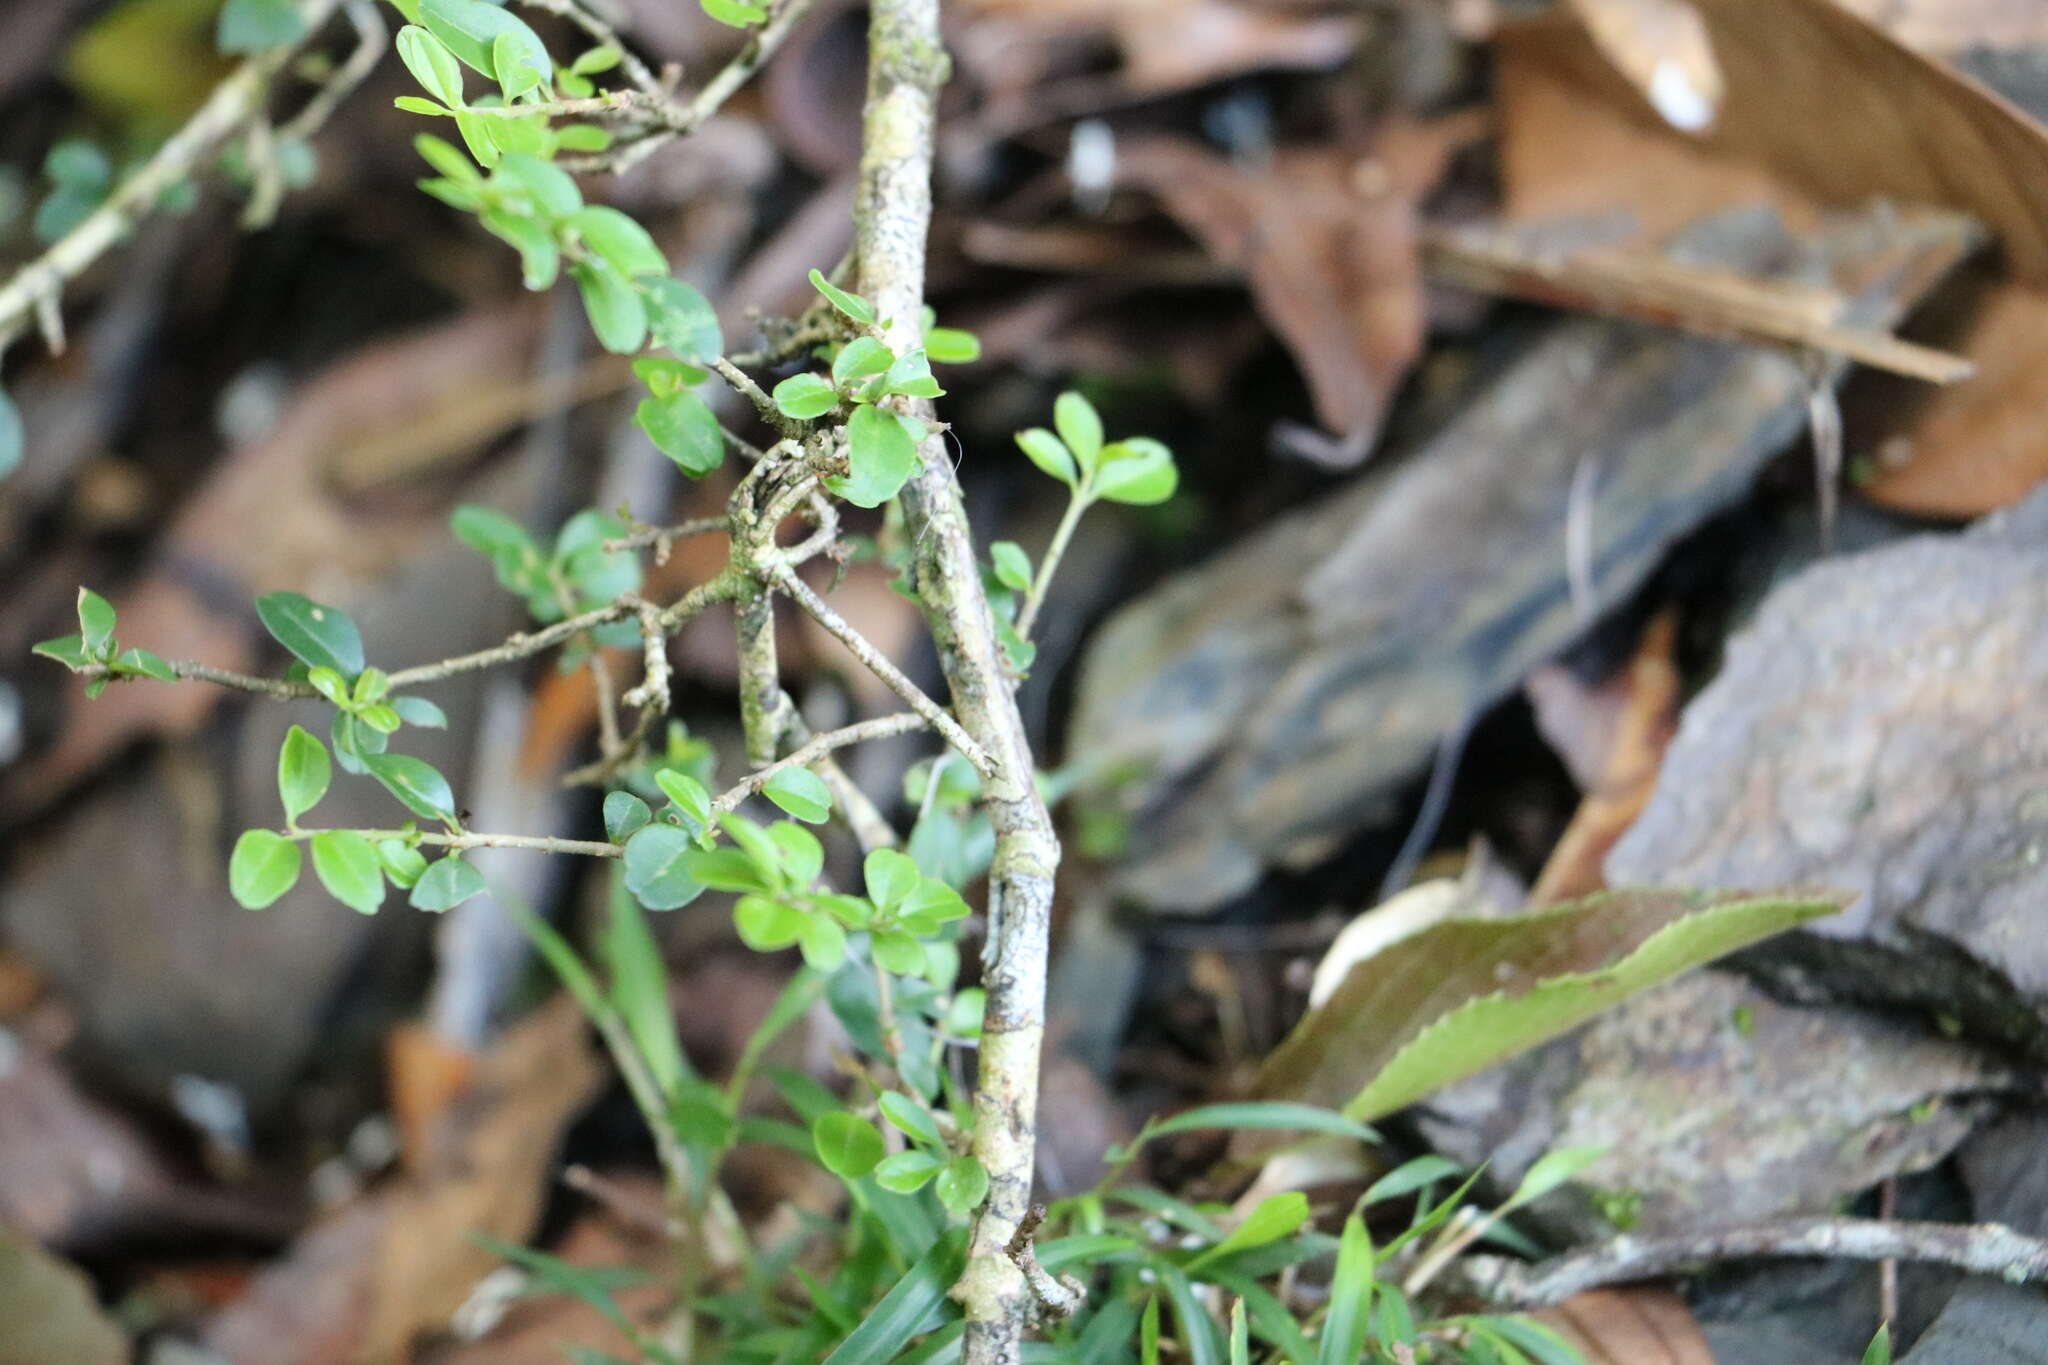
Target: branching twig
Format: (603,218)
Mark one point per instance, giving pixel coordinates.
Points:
(539,843)
(1064,1295)
(1980,1249)
(605,36)
(815,748)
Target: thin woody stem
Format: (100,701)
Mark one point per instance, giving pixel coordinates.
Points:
(816,748)
(606,36)
(1027,616)
(540,843)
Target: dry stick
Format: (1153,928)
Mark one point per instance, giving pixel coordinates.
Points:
(878,663)
(907,64)
(540,843)
(1980,1249)
(606,36)
(234,103)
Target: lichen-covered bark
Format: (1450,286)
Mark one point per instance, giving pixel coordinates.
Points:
(906,66)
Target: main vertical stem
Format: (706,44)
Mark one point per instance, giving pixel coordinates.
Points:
(907,64)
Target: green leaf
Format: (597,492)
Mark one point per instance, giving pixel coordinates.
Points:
(911,376)
(1551,1170)
(1463,994)
(446,158)
(909,1116)
(1240,1339)
(951,346)
(731,869)
(1139,472)
(853,305)
(68,650)
(516,72)
(621,241)
(471,29)
(1200,1340)
(1409,1177)
(801,792)
(321,636)
(12,440)
(822,942)
(263,867)
(147,664)
(890,877)
(77,164)
(613,306)
(910,1307)
(447,884)
(683,427)
(303,772)
(415,782)
(640,990)
(908,1172)
(421,712)
(690,796)
(1012,565)
(596,60)
(899,953)
(437,71)
(859,358)
(766,925)
(847,1144)
(1277,1216)
(413,104)
(881,451)
(1879,1352)
(656,870)
(1080,429)
(1049,454)
(1148,1333)
(962,1185)
(736,13)
(403,863)
(1263,1115)
(257,25)
(348,866)
(1546,1347)
(799,852)
(682,319)
(95,621)
(624,816)
(1342,1339)
(596,1288)
(804,396)
(546,187)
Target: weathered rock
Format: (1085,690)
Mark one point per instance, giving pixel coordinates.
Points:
(1881,727)
(1718,1105)
(1280,696)
(2006,1168)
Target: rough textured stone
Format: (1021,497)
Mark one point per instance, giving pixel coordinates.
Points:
(1881,727)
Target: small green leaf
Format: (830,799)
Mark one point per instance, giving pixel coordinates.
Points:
(263,867)
(413,104)
(822,942)
(1138,472)
(951,346)
(764,924)
(1080,428)
(1148,1334)
(1342,1340)
(735,13)
(303,772)
(613,306)
(908,1172)
(799,851)
(1264,1114)
(911,376)
(471,29)
(690,796)
(731,869)
(596,60)
(447,884)
(433,66)
(682,319)
(1012,565)
(859,358)
(624,816)
(421,712)
(853,305)
(516,74)
(415,782)
(909,1116)
(147,664)
(257,25)
(965,1015)
(881,452)
(656,870)
(1539,1343)
(800,792)
(962,1185)
(890,877)
(321,636)
(1277,1216)
(1550,1171)
(1049,454)
(683,427)
(68,650)
(446,158)
(348,866)
(1879,1352)
(804,396)
(902,954)
(95,621)
(847,1144)
(403,863)
(1409,1177)
(621,241)
(915,1303)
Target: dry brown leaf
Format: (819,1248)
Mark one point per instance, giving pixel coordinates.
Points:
(1175,44)
(1943,27)
(1630,1327)
(1662,47)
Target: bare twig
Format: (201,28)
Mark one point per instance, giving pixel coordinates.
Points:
(540,843)
(1980,1249)
(720,88)
(815,748)
(605,36)
(1063,1296)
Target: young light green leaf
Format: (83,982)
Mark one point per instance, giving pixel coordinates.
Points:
(691,798)
(804,396)
(348,866)
(516,74)
(909,1116)
(624,816)
(303,772)
(1148,1333)
(147,664)
(68,650)
(800,792)
(952,346)
(403,863)
(263,867)
(321,636)
(1459,996)
(447,884)
(847,1144)
(683,427)
(1049,454)
(657,872)
(1277,1216)
(682,319)
(95,621)
(446,158)
(911,376)
(764,924)
(801,855)
(1551,1170)
(881,451)
(1879,1352)
(596,61)
(908,1172)
(962,1185)
(620,240)
(902,954)
(435,68)
(1240,1336)
(735,13)
(853,305)
(1342,1340)
(546,188)
(859,358)
(639,982)
(613,306)
(1075,419)
(1012,565)
(822,942)
(1138,472)
(471,29)
(415,782)
(421,712)
(890,877)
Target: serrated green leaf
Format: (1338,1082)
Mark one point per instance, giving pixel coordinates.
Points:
(263,867)
(348,866)
(415,782)
(1459,996)
(1138,472)
(683,427)
(447,884)
(682,319)
(433,66)
(1049,454)
(804,396)
(320,636)
(613,306)
(1080,429)
(853,305)
(624,816)
(656,862)
(303,772)
(881,452)
(800,792)
(95,621)
(847,1144)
